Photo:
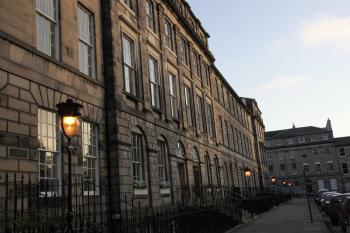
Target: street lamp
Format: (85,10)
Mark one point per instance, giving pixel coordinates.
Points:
(247,174)
(273,181)
(69,113)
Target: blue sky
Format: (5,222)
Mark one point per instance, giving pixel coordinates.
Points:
(292,56)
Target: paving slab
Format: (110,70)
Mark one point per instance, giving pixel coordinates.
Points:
(290,217)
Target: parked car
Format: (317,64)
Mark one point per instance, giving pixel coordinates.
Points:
(334,207)
(318,195)
(344,212)
(325,199)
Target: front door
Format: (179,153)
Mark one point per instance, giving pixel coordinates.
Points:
(182,182)
(197,181)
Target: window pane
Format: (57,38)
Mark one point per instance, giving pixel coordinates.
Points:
(129,71)
(46,26)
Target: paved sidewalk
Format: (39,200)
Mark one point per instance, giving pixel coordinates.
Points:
(290,217)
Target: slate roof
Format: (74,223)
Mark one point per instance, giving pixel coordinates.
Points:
(293,132)
(342,141)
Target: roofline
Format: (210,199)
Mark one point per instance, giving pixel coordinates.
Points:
(195,17)
(267,138)
(189,30)
(299,145)
(219,74)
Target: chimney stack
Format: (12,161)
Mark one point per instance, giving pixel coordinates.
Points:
(329,125)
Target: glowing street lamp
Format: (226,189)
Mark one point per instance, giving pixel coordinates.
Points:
(69,113)
(247,172)
(273,180)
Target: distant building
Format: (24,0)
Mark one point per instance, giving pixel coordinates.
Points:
(312,151)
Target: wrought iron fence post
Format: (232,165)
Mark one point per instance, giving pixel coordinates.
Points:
(69,217)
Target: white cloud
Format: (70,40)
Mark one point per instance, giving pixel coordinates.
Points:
(283,82)
(326,31)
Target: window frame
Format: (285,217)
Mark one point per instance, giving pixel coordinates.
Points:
(318,168)
(184,50)
(150,16)
(155,95)
(95,179)
(180,149)
(54,24)
(168,28)
(138,147)
(306,169)
(188,105)
(132,66)
(210,120)
(330,164)
(91,45)
(205,73)
(162,167)
(173,95)
(130,4)
(55,151)
(200,111)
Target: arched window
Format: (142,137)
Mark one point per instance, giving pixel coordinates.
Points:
(217,171)
(180,150)
(162,161)
(226,174)
(195,154)
(138,161)
(207,165)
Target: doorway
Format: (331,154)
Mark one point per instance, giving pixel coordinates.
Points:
(182,181)
(197,181)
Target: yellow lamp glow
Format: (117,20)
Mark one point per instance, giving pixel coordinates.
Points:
(247,172)
(273,180)
(70,117)
(70,125)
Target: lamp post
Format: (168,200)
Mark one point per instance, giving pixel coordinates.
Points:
(69,113)
(247,174)
(284,184)
(273,181)
(308,197)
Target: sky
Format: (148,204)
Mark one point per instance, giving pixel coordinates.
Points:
(292,56)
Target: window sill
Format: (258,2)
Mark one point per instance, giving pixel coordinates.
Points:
(170,50)
(150,31)
(186,66)
(128,8)
(131,96)
(165,191)
(140,191)
(91,193)
(177,120)
(158,110)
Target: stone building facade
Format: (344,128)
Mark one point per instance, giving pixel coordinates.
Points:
(42,63)
(159,119)
(165,92)
(342,153)
(310,150)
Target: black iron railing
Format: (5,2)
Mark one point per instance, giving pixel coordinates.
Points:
(42,207)
(38,207)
